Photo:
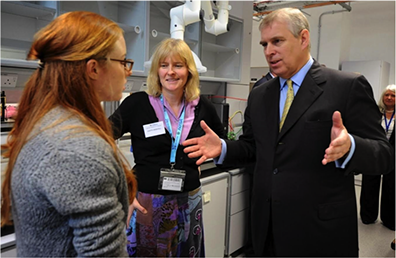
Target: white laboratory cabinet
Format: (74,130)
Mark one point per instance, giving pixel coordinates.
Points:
(238,211)
(145,24)
(8,247)
(215,194)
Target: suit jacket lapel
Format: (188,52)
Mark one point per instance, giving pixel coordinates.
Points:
(271,107)
(309,91)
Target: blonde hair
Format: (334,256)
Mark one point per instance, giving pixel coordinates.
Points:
(173,48)
(381,104)
(63,48)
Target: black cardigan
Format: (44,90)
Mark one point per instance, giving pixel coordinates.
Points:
(153,153)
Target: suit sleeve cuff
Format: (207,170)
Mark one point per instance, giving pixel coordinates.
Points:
(220,159)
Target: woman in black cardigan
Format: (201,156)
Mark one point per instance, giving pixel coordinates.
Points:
(169,187)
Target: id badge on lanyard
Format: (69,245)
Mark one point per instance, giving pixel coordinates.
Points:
(172,179)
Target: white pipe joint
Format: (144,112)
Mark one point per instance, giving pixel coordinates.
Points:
(191,11)
(177,22)
(218,26)
(183,15)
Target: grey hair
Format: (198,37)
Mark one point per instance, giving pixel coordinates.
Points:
(381,105)
(295,19)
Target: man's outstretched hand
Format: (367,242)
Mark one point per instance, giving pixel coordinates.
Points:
(340,142)
(206,147)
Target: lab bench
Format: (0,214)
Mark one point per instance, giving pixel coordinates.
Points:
(225,210)
(215,194)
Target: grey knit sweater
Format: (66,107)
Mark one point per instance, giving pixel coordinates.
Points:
(69,195)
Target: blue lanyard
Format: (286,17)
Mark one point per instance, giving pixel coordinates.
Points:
(390,121)
(176,140)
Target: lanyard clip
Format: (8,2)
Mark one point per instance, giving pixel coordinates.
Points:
(172,165)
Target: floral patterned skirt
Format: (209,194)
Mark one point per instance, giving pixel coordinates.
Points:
(172,226)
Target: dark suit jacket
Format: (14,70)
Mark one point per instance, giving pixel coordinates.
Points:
(263,79)
(312,207)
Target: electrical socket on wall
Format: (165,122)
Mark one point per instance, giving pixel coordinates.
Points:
(143,87)
(9,80)
(129,86)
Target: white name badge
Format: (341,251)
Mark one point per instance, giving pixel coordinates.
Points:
(171,179)
(172,184)
(154,129)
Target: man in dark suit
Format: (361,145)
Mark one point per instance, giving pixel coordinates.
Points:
(303,200)
(270,75)
(249,169)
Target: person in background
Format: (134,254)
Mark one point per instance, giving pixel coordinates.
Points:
(304,202)
(265,78)
(369,197)
(168,218)
(66,183)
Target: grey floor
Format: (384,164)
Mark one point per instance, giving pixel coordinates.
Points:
(374,239)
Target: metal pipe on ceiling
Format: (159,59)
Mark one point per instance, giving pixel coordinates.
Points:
(320,25)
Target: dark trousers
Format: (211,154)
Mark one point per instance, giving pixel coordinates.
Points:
(269,249)
(249,252)
(369,199)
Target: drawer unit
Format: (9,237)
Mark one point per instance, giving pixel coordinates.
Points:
(238,231)
(238,208)
(239,202)
(215,192)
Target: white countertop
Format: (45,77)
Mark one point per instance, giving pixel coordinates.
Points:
(7,240)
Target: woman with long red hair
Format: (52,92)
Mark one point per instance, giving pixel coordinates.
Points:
(67,184)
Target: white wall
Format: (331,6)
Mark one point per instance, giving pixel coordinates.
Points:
(257,55)
(237,92)
(365,33)
(373,34)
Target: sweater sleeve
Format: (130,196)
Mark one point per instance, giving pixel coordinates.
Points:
(83,182)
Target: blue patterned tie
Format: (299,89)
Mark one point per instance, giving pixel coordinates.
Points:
(289,100)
